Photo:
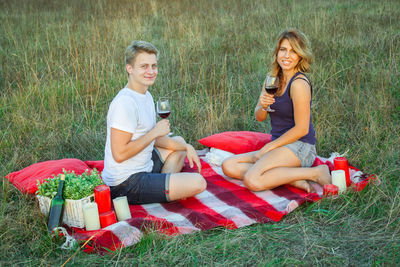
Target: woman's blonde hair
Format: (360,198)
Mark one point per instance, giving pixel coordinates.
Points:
(300,45)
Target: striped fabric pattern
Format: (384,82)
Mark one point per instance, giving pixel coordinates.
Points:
(225,203)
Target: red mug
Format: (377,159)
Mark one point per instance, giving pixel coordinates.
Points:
(330,190)
(341,163)
(107,218)
(102,197)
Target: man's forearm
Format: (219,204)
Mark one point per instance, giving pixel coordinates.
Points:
(122,151)
(170,143)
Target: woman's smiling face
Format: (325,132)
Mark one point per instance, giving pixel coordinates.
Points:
(287,58)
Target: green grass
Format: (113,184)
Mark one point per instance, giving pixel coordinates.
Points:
(62,63)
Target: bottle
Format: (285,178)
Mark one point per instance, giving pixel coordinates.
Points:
(56,207)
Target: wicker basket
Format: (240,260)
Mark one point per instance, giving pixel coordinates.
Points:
(73,212)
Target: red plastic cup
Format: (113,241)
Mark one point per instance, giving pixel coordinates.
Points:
(330,190)
(102,197)
(107,218)
(341,163)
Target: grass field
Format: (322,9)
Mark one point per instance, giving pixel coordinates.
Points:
(62,63)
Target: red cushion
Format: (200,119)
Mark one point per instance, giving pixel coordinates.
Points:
(98,164)
(26,179)
(237,142)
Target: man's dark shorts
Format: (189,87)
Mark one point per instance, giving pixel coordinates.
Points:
(145,187)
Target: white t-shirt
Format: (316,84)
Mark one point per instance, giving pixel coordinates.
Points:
(131,112)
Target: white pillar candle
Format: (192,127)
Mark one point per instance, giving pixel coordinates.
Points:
(339,179)
(122,208)
(91,216)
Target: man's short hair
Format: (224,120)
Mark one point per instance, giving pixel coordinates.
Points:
(137,47)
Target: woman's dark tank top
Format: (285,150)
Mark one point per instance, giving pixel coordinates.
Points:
(283,118)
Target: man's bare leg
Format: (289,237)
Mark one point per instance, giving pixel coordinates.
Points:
(181,185)
(173,160)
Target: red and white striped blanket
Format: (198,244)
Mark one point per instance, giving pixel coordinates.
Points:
(225,203)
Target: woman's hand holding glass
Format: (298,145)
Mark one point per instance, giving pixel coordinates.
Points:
(266,100)
(271,86)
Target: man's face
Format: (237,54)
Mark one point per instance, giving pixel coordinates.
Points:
(144,70)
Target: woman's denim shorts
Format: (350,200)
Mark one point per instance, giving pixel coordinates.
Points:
(304,151)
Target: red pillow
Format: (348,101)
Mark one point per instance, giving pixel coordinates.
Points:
(237,142)
(26,179)
(98,164)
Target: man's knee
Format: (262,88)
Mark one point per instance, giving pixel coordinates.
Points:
(176,156)
(199,183)
(180,157)
(179,139)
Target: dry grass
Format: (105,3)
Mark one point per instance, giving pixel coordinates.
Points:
(62,63)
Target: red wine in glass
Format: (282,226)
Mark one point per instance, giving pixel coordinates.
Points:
(164,114)
(271,86)
(271,89)
(163,109)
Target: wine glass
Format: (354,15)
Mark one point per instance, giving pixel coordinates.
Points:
(271,86)
(163,109)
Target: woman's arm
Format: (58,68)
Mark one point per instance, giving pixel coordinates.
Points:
(300,92)
(264,101)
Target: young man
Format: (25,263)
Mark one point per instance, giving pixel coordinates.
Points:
(141,161)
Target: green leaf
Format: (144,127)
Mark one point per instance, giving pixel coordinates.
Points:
(75,186)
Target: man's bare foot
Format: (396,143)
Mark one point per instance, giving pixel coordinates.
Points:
(324,177)
(304,185)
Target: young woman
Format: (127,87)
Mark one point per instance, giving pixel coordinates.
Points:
(288,157)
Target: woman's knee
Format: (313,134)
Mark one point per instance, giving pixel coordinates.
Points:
(252,182)
(228,166)
(225,167)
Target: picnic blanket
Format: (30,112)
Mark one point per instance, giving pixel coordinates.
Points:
(225,203)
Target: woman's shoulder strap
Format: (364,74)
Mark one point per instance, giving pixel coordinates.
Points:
(305,78)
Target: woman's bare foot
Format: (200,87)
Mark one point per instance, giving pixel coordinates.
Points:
(304,185)
(324,177)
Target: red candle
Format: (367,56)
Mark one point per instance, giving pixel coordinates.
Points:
(330,190)
(341,163)
(102,197)
(107,218)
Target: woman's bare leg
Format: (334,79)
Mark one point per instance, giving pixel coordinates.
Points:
(304,185)
(281,166)
(237,166)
